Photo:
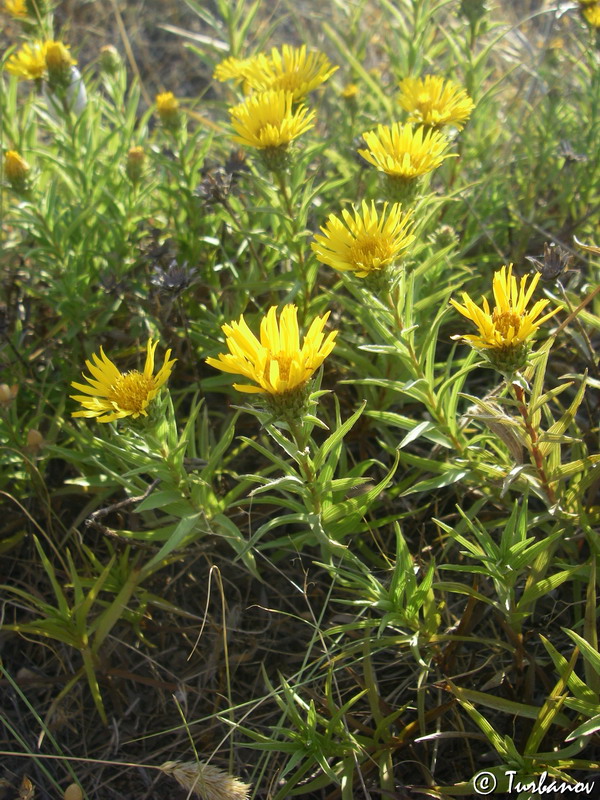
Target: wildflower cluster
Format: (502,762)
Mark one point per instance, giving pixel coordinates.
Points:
(270,118)
(369,244)
(272,303)
(39,59)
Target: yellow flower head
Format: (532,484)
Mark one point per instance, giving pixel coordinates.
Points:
(591,14)
(57,56)
(15,167)
(403,151)
(350,91)
(237,69)
(167,107)
(16,7)
(509,325)
(291,69)
(266,120)
(166,102)
(366,242)
(113,395)
(28,63)
(435,102)
(32,60)
(277,363)
(134,167)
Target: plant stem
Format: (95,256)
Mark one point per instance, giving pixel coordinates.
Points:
(537,457)
(293,220)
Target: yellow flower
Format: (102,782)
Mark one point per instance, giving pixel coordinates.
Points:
(435,102)
(15,167)
(266,120)
(591,14)
(291,69)
(402,151)
(57,56)
(350,91)
(113,395)
(16,7)
(276,363)
(32,60)
(365,243)
(509,325)
(166,103)
(237,69)
(28,63)
(167,107)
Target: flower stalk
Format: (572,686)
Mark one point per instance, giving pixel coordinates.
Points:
(537,458)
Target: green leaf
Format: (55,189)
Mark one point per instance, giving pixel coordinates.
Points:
(336,438)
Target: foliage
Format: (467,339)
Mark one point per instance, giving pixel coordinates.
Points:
(415,516)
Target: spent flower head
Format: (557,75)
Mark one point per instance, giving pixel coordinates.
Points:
(434,101)
(276,362)
(403,151)
(113,395)
(365,242)
(291,69)
(504,332)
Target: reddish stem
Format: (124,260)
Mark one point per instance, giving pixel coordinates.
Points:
(536,454)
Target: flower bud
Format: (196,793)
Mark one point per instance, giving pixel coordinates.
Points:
(58,64)
(473,10)
(35,440)
(16,170)
(73,792)
(135,163)
(110,60)
(7,394)
(167,107)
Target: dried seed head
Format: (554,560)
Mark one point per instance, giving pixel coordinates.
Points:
(214,186)
(553,263)
(206,781)
(175,279)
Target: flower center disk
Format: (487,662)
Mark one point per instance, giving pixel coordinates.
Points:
(505,320)
(370,252)
(130,392)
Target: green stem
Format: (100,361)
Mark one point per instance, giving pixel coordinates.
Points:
(300,437)
(537,457)
(418,372)
(293,220)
